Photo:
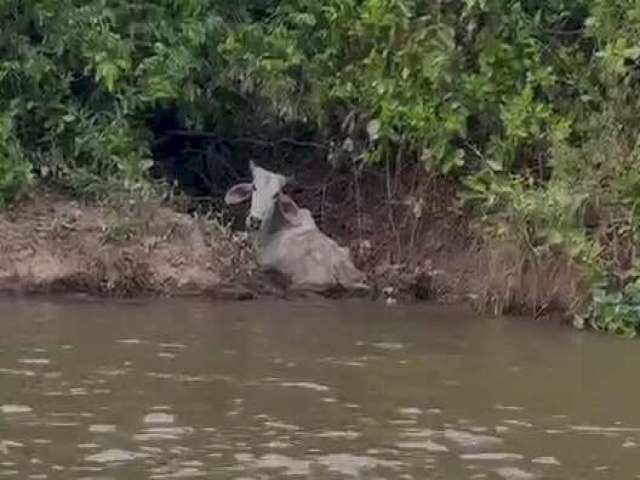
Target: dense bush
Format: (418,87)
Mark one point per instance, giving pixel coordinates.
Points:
(533,105)
(79,78)
(511,97)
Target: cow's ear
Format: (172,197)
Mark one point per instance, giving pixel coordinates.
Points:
(289,209)
(238,193)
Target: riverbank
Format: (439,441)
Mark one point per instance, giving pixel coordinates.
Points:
(51,243)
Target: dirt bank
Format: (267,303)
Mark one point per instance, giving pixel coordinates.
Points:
(54,244)
(404,228)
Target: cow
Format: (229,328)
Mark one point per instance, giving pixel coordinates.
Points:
(288,243)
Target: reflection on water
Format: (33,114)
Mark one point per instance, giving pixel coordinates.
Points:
(175,389)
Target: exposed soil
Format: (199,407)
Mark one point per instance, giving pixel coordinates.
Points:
(53,244)
(403,230)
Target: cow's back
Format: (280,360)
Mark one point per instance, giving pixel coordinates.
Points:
(309,259)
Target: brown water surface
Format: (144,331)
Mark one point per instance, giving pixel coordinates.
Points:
(190,389)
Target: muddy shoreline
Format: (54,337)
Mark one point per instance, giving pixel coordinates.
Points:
(54,245)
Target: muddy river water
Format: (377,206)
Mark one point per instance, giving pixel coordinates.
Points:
(278,390)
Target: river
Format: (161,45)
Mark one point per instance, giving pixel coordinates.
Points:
(163,389)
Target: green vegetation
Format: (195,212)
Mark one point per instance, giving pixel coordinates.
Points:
(532,106)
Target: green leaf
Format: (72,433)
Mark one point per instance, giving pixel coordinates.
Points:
(494,165)
(373,129)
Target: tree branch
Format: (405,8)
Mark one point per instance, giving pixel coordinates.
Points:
(256,141)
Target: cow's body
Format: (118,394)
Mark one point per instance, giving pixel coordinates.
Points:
(287,240)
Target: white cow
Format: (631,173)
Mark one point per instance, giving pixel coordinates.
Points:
(287,240)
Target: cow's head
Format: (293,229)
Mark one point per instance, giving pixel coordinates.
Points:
(266,195)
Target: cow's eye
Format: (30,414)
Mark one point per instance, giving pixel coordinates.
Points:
(253,187)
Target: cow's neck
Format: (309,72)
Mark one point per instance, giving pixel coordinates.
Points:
(271,225)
